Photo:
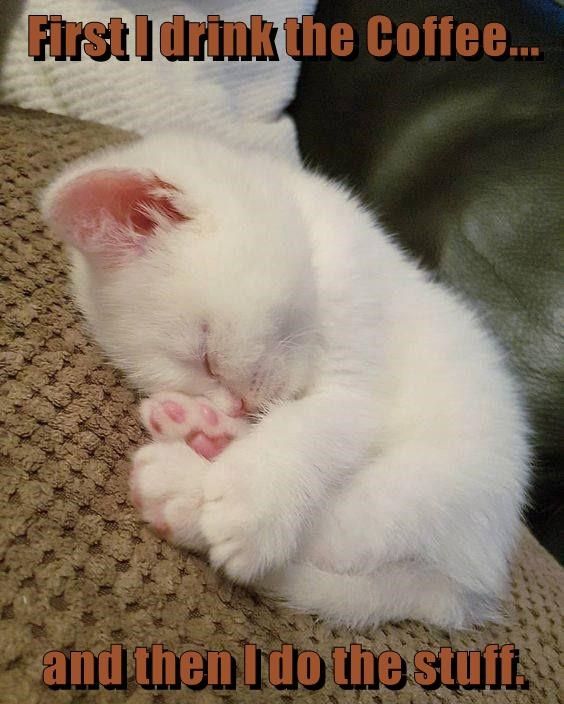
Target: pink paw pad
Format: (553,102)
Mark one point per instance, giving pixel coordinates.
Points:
(156,520)
(166,417)
(174,416)
(161,528)
(155,425)
(210,416)
(174,411)
(207,447)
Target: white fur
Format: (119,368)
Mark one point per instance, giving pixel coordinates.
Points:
(386,475)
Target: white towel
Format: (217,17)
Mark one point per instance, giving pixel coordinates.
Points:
(244,100)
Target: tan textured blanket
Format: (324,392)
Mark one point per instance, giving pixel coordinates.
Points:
(79,571)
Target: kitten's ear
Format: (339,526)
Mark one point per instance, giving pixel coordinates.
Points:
(111,214)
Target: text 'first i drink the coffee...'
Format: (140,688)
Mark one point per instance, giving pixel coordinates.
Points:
(179,39)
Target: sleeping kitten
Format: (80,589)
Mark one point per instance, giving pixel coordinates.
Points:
(329,424)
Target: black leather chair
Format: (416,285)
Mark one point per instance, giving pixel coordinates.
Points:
(463,161)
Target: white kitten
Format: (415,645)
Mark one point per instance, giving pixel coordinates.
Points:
(385,475)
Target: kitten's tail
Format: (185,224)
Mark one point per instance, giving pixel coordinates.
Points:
(398,591)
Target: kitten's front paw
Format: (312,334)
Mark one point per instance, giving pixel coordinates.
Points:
(175,416)
(166,484)
(243,522)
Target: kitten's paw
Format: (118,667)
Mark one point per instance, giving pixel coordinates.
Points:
(175,416)
(166,484)
(243,523)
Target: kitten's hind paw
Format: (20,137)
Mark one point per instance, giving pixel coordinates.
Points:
(171,416)
(166,488)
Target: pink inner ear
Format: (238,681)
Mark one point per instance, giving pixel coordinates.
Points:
(109,211)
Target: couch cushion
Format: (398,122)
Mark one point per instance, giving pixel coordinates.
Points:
(79,571)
